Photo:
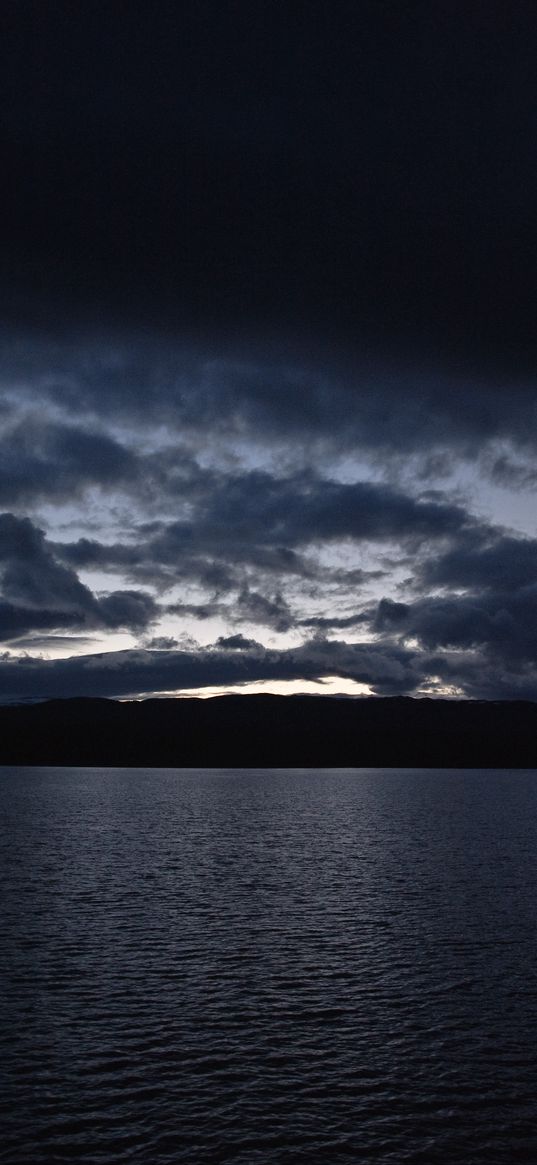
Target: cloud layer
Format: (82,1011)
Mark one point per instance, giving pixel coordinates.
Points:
(267,373)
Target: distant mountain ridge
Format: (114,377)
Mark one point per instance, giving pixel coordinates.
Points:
(267,731)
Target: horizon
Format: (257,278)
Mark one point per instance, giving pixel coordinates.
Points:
(204,696)
(268,731)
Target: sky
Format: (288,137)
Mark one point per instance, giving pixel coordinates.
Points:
(268,407)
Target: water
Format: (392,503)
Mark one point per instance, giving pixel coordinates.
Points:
(268,966)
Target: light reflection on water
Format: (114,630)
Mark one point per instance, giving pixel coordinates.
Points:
(268,966)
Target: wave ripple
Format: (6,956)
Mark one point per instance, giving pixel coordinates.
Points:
(268,966)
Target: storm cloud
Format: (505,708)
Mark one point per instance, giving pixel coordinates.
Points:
(267,367)
(39,593)
(302,165)
(54,461)
(257,518)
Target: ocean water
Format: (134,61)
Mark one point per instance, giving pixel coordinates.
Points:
(268,966)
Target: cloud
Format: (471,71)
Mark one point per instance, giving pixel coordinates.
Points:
(258,519)
(251,607)
(237,643)
(39,593)
(43,459)
(300,510)
(512,474)
(276,341)
(246,607)
(339,622)
(251,545)
(359,167)
(128,609)
(388,669)
(37,642)
(500,562)
(477,636)
(489,602)
(279,392)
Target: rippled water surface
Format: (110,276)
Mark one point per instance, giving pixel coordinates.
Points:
(268,966)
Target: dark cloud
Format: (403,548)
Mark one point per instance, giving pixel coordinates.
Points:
(251,607)
(128,609)
(489,603)
(163,557)
(89,553)
(269,280)
(501,563)
(390,615)
(258,518)
(248,606)
(39,593)
(38,642)
(388,668)
(161,643)
(16,620)
(341,623)
(236,643)
(504,624)
(247,529)
(42,459)
(345,168)
(304,509)
(277,390)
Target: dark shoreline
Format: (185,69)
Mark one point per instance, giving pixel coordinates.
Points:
(270,731)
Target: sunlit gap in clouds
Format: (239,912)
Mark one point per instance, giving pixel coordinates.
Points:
(325,686)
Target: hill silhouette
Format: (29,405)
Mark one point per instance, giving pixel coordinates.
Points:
(271,731)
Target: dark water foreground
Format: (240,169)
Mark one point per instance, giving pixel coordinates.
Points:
(268,966)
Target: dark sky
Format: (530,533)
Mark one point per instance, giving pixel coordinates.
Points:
(267,386)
